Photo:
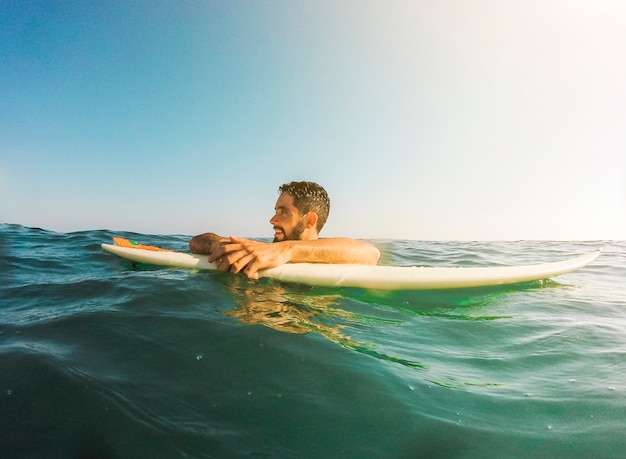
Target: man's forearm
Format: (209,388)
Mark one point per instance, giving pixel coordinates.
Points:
(203,244)
(332,250)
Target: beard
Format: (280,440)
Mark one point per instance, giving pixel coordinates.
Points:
(293,235)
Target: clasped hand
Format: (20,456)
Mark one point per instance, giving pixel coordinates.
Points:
(247,256)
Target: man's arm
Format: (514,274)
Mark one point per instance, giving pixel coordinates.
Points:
(331,250)
(251,256)
(205,244)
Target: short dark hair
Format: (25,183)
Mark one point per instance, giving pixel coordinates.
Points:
(309,197)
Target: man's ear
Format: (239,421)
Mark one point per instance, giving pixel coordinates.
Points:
(311,219)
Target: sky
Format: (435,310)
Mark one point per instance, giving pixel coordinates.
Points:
(424,120)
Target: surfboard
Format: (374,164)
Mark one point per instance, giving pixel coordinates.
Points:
(368,276)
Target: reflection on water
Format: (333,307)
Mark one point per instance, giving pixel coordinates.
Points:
(288,310)
(271,305)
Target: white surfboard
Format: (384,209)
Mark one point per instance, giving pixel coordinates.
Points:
(375,277)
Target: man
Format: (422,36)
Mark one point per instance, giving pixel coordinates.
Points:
(300,213)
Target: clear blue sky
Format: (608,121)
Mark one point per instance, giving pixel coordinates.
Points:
(448,120)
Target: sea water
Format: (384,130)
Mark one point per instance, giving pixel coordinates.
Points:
(103,358)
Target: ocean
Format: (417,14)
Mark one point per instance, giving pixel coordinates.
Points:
(100,358)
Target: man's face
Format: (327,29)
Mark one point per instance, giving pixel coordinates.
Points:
(287,222)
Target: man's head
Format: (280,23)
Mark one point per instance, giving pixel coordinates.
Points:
(301,211)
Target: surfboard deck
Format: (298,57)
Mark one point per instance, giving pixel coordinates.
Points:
(372,277)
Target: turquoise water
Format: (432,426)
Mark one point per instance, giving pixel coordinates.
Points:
(100,358)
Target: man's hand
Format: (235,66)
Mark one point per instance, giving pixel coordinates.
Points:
(248,256)
(207,243)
